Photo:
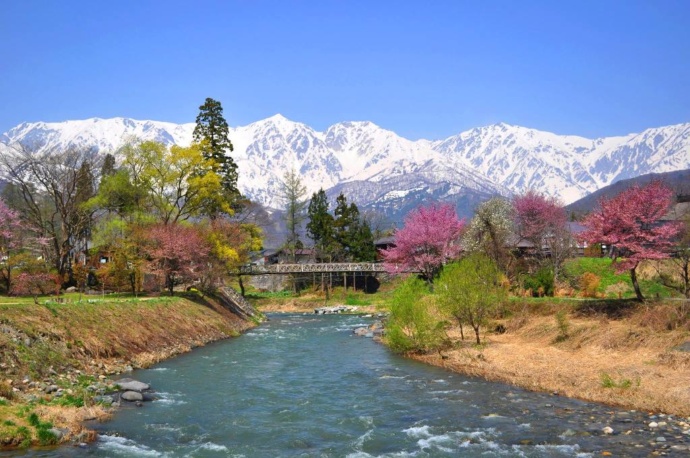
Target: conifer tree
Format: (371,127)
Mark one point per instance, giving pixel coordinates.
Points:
(320,225)
(353,236)
(108,167)
(344,226)
(211,133)
(363,248)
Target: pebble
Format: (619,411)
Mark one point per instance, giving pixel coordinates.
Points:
(661,439)
(653,424)
(607,430)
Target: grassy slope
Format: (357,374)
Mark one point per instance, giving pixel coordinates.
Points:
(72,343)
(604,269)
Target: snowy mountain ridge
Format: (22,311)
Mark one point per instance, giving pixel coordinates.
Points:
(381,167)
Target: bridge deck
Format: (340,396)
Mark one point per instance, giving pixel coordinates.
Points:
(342,267)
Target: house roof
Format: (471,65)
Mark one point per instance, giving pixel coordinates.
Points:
(390,240)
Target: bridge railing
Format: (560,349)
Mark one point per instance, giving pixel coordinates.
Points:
(311,268)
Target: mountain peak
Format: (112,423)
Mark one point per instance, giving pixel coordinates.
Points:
(504,155)
(277,117)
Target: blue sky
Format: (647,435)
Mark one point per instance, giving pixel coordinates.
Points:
(424,69)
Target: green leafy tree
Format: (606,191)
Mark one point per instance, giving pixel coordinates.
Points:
(413,324)
(211,133)
(471,290)
(119,195)
(175,184)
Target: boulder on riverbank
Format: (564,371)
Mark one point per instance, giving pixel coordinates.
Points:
(132,396)
(373,330)
(128,384)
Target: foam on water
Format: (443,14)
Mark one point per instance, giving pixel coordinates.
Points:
(213,447)
(416,432)
(170,399)
(125,447)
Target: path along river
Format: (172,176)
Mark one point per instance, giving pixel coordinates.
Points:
(304,386)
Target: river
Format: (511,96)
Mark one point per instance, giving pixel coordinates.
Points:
(303,385)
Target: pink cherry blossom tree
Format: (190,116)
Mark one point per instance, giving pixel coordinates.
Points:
(11,228)
(544,223)
(178,253)
(630,223)
(429,239)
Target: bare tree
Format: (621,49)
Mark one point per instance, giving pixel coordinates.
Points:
(53,185)
(293,193)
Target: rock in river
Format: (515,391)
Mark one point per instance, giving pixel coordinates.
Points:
(128,384)
(132,396)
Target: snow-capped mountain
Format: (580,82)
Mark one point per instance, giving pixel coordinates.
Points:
(379,169)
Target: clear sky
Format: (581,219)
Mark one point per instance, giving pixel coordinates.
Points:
(424,69)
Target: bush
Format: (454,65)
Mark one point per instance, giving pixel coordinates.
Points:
(563,325)
(46,437)
(6,391)
(413,324)
(617,290)
(589,284)
(608,382)
(540,283)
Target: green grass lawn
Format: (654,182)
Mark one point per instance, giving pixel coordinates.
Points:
(604,269)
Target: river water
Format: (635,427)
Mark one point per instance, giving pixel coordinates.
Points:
(303,385)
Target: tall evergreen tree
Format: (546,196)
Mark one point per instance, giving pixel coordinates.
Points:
(211,133)
(342,225)
(363,248)
(352,234)
(320,225)
(108,167)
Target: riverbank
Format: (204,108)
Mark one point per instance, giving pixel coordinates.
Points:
(55,358)
(639,360)
(302,306)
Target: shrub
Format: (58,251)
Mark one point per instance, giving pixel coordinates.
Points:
(46,437)
(563,325)
(540,283)
(589,284)
(33,420)
(608,382)
(6,391)
(413,325)
(617,289)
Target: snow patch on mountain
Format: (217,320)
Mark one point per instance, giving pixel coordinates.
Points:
(383,169)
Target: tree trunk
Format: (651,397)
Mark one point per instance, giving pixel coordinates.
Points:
(476,333)
(239,277)
(636,285)
(171,284)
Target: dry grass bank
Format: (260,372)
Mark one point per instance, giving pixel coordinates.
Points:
(76,344)
(627,361)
